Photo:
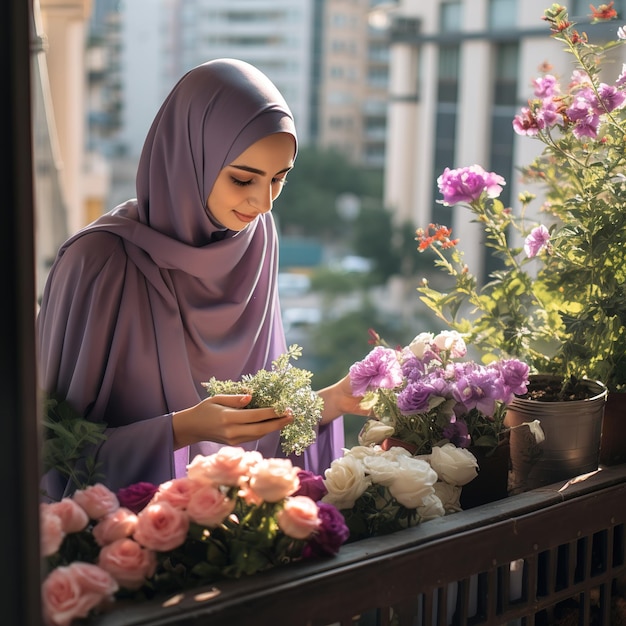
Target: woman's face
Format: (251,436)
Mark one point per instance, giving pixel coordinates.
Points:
(249,185)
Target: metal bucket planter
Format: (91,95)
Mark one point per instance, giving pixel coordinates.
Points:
(573,430)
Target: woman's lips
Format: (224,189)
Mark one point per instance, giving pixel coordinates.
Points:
(244,218)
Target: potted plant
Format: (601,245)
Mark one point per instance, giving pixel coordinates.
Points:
(558,299)
(429,395)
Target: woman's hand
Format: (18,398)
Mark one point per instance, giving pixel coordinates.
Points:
(339,400)
(224,419)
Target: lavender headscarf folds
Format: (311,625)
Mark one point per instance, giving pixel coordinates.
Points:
(151,299)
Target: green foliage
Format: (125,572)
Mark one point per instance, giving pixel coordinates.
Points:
(66,437)
(308,202)
(563,311)
(282,387)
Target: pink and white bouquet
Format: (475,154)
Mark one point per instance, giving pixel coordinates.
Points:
(234,514)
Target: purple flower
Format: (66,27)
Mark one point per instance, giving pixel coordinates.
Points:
(546,86)
(514,375)
(549,114)
(311,485)
(330,535)
(583,112)
(527,123)
(416,396)
(479,389)
(456,432)
(537,240)
(467,184)
(136,496)
(610,97)
(379,369)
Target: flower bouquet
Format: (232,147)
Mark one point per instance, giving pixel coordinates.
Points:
(234,514)
(427,397)
(382,490)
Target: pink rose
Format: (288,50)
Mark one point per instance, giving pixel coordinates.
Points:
(226,467)
(117,525)
(274,479)
(128,562)
(209,507)
(97,500)
(161,527)
(50,530)
(299,517)
(71,592)
(136,496)
(73,516)
(177,492)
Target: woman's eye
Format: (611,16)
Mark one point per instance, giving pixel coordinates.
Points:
(241,183)
(280,181)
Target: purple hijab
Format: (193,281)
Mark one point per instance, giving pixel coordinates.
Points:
(154,298)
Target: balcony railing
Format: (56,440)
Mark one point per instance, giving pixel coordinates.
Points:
(549,556)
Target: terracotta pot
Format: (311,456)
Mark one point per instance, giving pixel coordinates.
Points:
(392,442)
(491,484)
(572,445)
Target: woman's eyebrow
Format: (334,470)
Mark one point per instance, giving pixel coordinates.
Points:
(254,170)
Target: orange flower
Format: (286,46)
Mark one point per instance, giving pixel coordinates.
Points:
(603,12)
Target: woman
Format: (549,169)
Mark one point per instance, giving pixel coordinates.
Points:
(180,285)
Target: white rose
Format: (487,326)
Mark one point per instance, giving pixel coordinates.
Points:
(420,343)
(431,507)
(395,451)
(381,468)
(449,495)
(360,452)
(413,481)
(456,466)
(345,481)
(374,432)
(452,342)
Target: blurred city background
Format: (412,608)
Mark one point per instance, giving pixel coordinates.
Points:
(385,94)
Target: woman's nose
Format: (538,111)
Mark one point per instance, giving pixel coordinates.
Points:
(264,201)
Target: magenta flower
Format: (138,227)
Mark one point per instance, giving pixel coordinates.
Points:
(545,86)
(467,184)
(136,496)
(610,97)
(456,432)
(527,123)
(380,369)
(536,241)
(330,534)
(311,485)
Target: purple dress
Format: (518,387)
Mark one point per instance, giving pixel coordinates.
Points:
(154,298)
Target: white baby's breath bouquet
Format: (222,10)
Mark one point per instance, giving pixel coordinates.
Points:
(282,387)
